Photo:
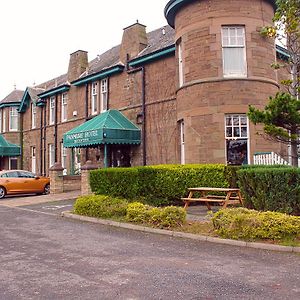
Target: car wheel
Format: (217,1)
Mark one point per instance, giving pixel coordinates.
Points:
(47,189)
(2,192)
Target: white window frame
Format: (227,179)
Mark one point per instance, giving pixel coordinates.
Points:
(51,110)
(4,121)
(33,159)
(64,107)
(64,158)
(182,141)
(1,127)
(104,95)
(13,119)
(180,66)
(51,155)
(94,97)
(10,160)
(238,124)
(231,41)
(33,115)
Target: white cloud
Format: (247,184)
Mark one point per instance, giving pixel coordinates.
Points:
(38,36)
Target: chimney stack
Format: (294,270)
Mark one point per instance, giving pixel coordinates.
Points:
(134,40)
(78,64)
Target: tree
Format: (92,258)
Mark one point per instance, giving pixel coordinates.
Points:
(281,117)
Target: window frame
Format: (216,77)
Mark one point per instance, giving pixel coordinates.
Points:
(51,151)
(104,95)
(4,120)
(33,115)
(230,73)
(237,135)
(12,158)
(94,98)
(180,65)
(52,110)
(33,159)
(13,113)
(1,120)
(64,158)
(64,107)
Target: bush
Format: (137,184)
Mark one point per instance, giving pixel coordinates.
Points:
(100,206)
(164,184)
(242,223)
(166,217)
(271,188)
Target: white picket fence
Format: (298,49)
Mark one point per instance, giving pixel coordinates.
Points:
(268,158)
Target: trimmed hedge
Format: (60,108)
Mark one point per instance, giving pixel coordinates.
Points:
(169,182)
(242,223)
(100,206)
(166,217)
(271,188)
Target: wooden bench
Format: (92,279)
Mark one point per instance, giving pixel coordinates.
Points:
(230,196)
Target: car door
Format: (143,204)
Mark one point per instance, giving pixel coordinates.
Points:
(31,183)
(12,182)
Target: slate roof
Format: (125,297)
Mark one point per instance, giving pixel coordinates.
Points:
(156,41)
(34,91)
(14,96)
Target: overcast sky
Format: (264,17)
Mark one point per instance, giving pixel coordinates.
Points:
(38,36)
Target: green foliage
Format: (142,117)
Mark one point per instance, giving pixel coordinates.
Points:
(241,223)
(280,117)
(163,184)
(271,188)
(100,206)
(166,217)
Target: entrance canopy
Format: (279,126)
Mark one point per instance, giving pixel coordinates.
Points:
(7,148)
(110,127)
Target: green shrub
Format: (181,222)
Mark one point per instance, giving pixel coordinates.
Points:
(100,206)
(242,223)
(166,217)
(271,188)
(163,184)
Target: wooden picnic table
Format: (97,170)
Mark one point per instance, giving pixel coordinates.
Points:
(225,196)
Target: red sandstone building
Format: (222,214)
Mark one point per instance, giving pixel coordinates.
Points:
(179,94)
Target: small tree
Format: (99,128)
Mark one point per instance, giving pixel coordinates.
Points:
(281,117)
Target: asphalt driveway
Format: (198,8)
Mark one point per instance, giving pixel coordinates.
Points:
(44,256)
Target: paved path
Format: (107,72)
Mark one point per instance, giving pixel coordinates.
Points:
(15,201)
(49,257)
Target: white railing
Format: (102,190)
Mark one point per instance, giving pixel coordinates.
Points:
(268,158)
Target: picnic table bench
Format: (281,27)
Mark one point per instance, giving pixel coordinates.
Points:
(225,196)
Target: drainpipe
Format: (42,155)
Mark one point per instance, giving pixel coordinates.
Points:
(55,131)
(44,138)
(41,141)
(86,115)
(21,139)
(144,116)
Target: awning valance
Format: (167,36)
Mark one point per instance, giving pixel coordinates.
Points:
(7,148)
(110,127)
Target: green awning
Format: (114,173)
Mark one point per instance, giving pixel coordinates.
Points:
(7,148)
(110,127)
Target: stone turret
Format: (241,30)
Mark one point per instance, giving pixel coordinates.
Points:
(223,65)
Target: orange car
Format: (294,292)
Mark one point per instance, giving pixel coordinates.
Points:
(22,182)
